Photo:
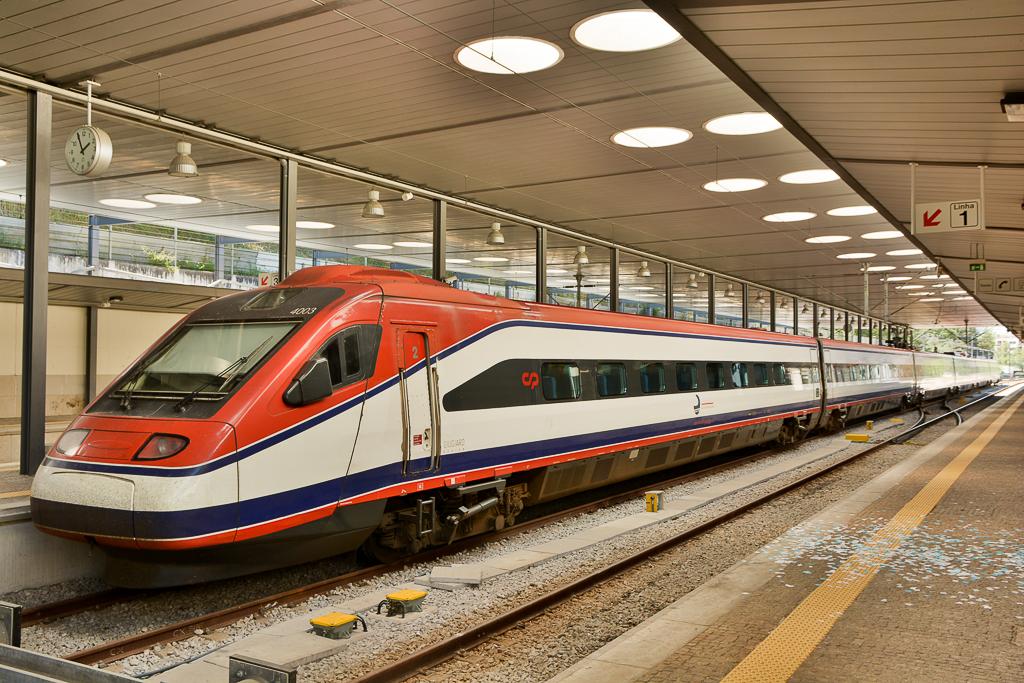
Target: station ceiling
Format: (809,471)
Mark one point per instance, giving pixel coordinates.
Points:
(374,84)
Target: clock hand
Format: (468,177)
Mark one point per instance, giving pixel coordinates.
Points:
(79,137)
(87,147)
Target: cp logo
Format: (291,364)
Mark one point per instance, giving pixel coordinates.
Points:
(531,380)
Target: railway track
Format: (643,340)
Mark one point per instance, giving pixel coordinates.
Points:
(115,650)
(431,656)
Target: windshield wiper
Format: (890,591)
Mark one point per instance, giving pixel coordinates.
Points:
(225,376)
(129,386)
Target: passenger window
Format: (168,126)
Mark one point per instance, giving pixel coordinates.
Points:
(760,374)
(560,381)
(344,360)
(652,378)
(716,375)
(739,375)
(779,374)
(333,357)
(686,376)
(611,379)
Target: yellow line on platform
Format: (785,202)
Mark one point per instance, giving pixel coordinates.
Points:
(15,494)
(780,654)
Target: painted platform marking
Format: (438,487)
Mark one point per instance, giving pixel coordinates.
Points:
(781,653)
(15,494)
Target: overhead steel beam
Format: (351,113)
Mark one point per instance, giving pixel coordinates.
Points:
(948,164)
(542,266)
(672,15)
(286,233)
(613,281)
(37,251)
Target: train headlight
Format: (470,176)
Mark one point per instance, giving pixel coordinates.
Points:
(161,446)
(70,441)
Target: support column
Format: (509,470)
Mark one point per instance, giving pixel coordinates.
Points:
(771,312)
(439,266)
(91,335)
(613,281)
(542,265)
(711,298)
(37,248)
(796,316)
(745,306)
(668,291)
(92,245)
(286,207)
(814,320)
(218,257)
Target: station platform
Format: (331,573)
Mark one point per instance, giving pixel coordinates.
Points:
(916,576)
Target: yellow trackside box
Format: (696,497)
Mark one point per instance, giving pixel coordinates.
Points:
(859,438)
(402,602)
(336,625)
(870,424)
(654,501)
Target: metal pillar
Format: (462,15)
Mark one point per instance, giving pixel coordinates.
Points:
(218,257)
(771,312)
(439,264)
(796,316)
(613,281)
(832,323)
(814,320)
(92,245)
(745,306)
(542,265)
(286,207)
(711,299)
(668,291)
(37,248)
(91,336)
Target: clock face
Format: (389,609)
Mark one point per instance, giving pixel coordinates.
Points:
(88,150)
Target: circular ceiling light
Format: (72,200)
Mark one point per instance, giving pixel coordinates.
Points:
(857,254)
(827,239)
(3,162)
(640,288)
(456,260)
(556,271)
(735,184)
(953,292)
(508,55)
(746,123)
(413,244)
(920,266)
(789,216)
(491,259)
(937,298)
(919,293)
(897,278)
(809,177)
(933,276)
(910,287)
(862,210)
(951,284)
(372,246)
(313,225)
(880,269)
(882,235)
(127,203)
(262,228)
(961,298)
(903,252)
(628,30)
(651,136)
(160,198)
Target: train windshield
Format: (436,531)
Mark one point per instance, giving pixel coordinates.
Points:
(205,361)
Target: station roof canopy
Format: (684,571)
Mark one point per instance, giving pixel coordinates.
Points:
(375,85)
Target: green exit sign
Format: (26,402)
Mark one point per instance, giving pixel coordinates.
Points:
(977,267)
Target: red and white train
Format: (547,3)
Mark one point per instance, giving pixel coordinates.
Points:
(354,406)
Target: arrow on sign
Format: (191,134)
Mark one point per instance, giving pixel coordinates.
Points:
(930,221)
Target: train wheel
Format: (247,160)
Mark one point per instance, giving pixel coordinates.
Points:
(790,432)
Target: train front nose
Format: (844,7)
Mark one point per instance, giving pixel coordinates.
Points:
(124,483)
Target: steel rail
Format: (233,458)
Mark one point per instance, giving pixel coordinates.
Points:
(80,603)
(445,650)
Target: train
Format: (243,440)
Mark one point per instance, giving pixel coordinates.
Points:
(364,408)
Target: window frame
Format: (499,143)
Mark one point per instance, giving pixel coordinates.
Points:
(625,379)
(696,377)
(664,377)
(577,385)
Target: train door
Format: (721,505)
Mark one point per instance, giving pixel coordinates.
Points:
(421,438)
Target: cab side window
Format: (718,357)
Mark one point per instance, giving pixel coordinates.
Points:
(351,354)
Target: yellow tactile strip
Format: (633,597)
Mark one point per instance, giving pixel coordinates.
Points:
(780,654)
(15,494)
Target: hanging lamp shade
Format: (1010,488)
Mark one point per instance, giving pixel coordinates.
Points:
(643,271)
(495,237)
(183,165)
(581,257)
(373,208)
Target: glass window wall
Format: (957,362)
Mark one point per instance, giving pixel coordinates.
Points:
(806,318)
(578,273)
(759,309)
(728,302)
(689,295)
(641,286)
(784,313)
(490,256)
